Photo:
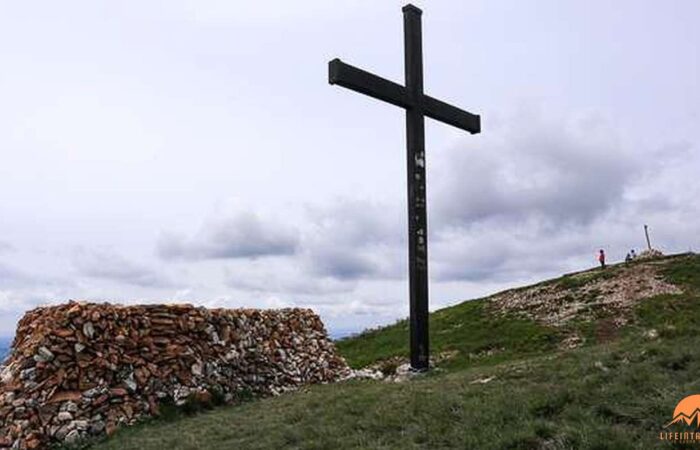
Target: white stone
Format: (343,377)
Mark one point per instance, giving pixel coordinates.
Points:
(88,330)
(64,416)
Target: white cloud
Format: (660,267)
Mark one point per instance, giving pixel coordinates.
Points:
(560,172)
(10,276)
(283,277)
(352,239)
(542,199)
(244,235)
(109,265)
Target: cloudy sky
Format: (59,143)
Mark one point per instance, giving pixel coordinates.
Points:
(192,150)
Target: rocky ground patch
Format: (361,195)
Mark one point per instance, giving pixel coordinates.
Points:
(587,295)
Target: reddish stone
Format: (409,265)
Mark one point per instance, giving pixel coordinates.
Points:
(63,332)
(128,410)
(141,375)
(110,428)
(118,392)
(153,405)
(100,400)
(33,443)
(74,309)
(202,396)
(63,396)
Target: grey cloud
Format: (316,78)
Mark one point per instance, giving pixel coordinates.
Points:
(6,247)
(492,202)
(672,153)
(290,287)
(656,202)
(105,264)
(17,301)
(354,239)
(499,253)
(503,252)
(540,201)
(358,222)
(242,236)
(343,263)
(284,278)
(563,173)
(10,276)
(16,278)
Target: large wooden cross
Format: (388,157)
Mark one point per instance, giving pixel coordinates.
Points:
(417,106)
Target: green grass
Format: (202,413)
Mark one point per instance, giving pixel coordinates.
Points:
(467,329)
(614,395)
(675,315)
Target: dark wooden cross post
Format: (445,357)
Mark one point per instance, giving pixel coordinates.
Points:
(646,233)
(417,106)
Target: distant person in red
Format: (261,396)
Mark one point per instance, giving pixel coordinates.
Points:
(601,258)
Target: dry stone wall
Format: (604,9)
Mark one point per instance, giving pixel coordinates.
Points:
(82,369)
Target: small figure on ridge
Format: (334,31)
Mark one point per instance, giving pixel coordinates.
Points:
(601,258)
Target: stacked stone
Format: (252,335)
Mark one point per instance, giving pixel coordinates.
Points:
(650,254)
(82,369)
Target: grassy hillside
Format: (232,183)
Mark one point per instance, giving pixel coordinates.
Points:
(505,381)
(467,328)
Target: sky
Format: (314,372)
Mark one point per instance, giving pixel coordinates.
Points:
(193,151)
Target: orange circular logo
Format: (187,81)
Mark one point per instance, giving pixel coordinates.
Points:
(687,411)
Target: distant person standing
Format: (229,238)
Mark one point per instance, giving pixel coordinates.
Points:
(628,258)
(601,258)
(633,254)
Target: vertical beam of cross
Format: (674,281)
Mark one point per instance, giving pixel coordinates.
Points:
(417,105)
(417,201)
(646,233)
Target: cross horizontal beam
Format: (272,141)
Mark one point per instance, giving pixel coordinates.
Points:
(358,80)
(451,115)
(367,83)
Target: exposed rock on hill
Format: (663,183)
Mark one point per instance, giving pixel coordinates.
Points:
(586,295)
(650,254)
(82,369)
